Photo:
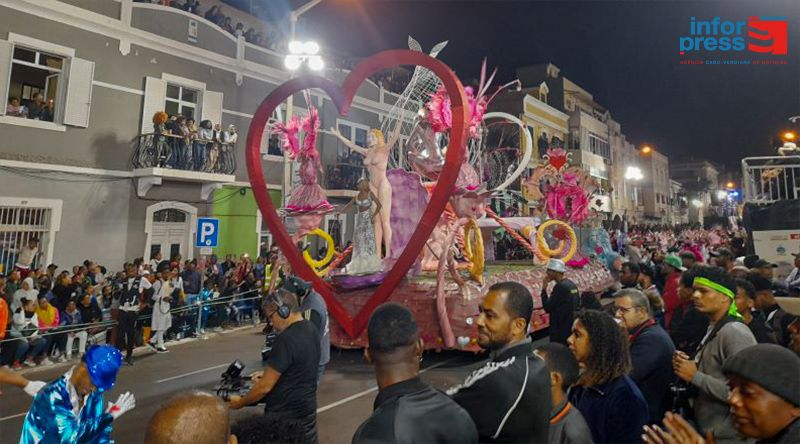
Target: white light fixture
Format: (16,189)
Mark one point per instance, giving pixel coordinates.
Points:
(311,48)
(633,173)
(316,63)
(296,47)
(697,203)
(292,62)
(304,52)
(722,194)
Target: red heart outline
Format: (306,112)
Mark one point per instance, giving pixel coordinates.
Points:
(342,97)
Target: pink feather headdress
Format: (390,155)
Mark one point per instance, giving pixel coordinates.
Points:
(440,114)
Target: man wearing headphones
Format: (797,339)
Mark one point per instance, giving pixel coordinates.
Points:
(313,307)
(289,382)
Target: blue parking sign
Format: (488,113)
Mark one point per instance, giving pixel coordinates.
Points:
(207,232)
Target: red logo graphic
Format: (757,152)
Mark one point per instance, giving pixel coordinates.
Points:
(771,32)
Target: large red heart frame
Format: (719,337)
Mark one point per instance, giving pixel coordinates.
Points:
(342,97)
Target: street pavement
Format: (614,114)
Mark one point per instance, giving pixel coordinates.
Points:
(344,398)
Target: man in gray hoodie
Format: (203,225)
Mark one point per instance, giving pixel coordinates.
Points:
(714,293)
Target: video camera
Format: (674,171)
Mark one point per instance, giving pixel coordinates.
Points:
(232,383)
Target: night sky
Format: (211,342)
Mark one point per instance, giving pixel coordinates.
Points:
(625,53)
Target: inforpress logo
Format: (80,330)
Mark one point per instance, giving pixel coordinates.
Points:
(725,38)
(771,31)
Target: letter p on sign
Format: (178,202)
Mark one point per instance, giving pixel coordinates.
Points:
(207,232)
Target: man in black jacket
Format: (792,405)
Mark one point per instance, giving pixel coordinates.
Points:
(562,302)
(406,409)
(509,397)
(651,351)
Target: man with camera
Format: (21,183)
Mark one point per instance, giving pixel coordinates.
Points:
(288,384)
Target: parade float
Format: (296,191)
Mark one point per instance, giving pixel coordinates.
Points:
(424,205)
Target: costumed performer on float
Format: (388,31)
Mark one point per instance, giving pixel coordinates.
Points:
(70,409)
(376,159)
(365,258)
(308,197)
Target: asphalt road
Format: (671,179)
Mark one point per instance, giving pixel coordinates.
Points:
(344,398)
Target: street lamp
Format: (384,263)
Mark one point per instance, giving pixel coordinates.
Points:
(300,52)
(294,63)
(646,149)
(730,185)
(789,136)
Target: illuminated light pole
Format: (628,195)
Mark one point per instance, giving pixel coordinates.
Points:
(293,61)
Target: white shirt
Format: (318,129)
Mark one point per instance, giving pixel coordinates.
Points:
(794,278)
(26,255)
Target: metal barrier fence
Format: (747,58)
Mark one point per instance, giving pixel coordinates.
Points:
(110,323)
(771,178)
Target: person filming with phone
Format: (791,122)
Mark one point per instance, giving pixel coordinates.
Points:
(288,384)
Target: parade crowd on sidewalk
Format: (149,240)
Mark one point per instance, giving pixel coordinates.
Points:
(48,314)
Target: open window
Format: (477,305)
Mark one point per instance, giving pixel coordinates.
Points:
(44,84)
(178,96)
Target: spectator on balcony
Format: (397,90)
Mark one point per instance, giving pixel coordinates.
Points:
(250,35)
(227,25)
(15,109)
(191,6)
(239,31)
(41,109)
(212,14)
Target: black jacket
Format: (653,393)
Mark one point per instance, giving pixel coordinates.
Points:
(688,327)
(561,305)
(651,358)
(414,412)
(509,397)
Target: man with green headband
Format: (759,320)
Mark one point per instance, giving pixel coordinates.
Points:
(714,294)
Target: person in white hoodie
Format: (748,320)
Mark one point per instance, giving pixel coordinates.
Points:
(26,291)
(26,328)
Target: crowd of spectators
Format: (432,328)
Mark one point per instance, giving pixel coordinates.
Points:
(47,314)
(36,109)
(216,15)
(179,143)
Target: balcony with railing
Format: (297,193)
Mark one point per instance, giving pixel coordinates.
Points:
(771,178)
(156,157)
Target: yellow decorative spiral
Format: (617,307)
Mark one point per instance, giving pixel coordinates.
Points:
(474,255)
(317,265)
(558,251)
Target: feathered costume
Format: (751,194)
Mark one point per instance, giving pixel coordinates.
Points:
(308,196)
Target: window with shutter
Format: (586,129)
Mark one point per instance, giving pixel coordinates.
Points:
(5,70)
(79,93)
(212,107)
(155,92)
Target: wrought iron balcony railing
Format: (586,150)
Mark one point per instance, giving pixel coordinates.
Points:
(175,152)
